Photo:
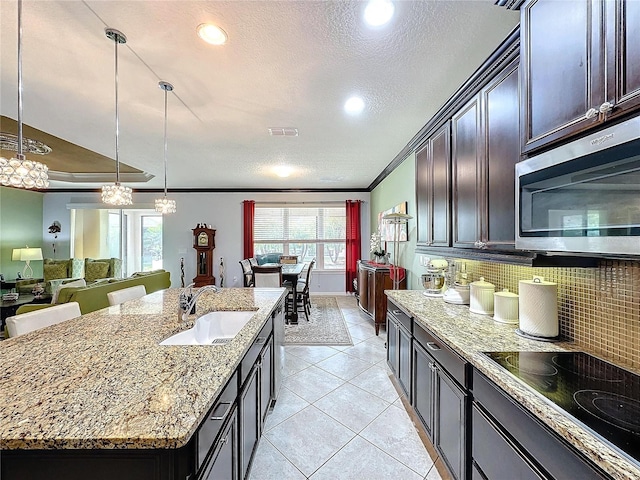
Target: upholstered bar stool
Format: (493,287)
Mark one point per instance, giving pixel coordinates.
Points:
(30,321)
(120,296)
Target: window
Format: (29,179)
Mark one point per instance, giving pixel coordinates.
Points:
(151,235)
(306,231)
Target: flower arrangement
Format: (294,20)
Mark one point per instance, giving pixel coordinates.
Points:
(376,247)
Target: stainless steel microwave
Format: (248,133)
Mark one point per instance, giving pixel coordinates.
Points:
(584,196)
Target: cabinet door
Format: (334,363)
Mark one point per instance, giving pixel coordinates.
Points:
(562,55)
(422,387)
(224,465)
(467,175)
(501,110)
(266,383)
(495,456)
(451,424)
(404,360)
(392,344)
(623,55)
(363,287)
(433,186)
(249,419)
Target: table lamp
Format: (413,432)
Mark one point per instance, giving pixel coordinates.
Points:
(26,255)
(396,219)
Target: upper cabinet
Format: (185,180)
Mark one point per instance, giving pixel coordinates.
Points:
(433,189)
(580,66)
(485,149)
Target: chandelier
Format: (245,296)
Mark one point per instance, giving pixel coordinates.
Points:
(164,204)
(20,172)
(116,194)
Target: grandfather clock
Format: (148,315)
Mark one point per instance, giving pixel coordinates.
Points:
(204,241)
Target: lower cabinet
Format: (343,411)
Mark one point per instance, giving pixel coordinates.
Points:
(509,442)
(399,346)
(440,398)
(373,280)
(249,419)
(224,459)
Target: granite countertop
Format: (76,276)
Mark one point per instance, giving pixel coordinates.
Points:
(470,334)
(102,381)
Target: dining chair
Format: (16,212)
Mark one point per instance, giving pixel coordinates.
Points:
(289,259)
(45,317)
(303,297)
(247,274)
(120,296)
(267,276)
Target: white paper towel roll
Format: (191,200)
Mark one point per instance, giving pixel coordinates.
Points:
(538,307)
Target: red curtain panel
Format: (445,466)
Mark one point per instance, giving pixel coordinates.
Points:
(353,242)
(249,211)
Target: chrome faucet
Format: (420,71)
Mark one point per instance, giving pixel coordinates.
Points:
(188,301)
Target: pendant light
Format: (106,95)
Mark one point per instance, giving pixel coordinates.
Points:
(165,205)
(116,194)
(20,172)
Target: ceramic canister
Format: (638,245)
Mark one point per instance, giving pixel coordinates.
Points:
(539,308)
(481,300)
(505,307)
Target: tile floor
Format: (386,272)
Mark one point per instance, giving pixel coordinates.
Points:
(339,416)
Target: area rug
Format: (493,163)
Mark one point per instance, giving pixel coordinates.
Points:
(326,325)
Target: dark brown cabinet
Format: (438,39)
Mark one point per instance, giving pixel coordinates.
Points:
(580,66)
(373,280)
(224,464)
(399,340)
(433,189)
(440,398)
(485,149)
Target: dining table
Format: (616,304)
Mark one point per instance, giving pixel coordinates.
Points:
(291,273)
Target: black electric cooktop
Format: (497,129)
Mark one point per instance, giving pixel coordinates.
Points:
(602,396)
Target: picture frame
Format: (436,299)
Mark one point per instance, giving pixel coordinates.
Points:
(387,230)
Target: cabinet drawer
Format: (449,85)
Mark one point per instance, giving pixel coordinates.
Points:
(254,351)
(216,418)
(455,365)
(494,455)
(544,446)
(398,314)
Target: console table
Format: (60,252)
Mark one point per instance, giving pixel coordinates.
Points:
(373,280)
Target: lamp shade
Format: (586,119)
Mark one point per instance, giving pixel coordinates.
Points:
(15,254)
(30,254)
(397,217)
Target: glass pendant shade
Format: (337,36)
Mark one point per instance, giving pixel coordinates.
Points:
(165,205)
(117,194)
(23,173)
(20,172)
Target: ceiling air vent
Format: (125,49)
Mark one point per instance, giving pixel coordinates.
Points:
(283,132)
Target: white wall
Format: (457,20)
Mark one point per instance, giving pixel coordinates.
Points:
(223,211)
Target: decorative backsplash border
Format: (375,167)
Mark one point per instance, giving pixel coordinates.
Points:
(598,308)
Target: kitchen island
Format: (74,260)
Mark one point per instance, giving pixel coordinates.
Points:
(101,382)
(469,335)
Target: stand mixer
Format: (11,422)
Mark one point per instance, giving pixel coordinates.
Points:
(434,280)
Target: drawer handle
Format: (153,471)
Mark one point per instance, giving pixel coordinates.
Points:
(433,346)
(222,417)
(261,340)
(396,312)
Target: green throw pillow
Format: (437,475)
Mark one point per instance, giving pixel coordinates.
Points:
(96,270)
(53,271)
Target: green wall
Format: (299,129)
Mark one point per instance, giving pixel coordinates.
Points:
(20,225)
(398,187)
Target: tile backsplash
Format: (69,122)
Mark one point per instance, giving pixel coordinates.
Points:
(598,308)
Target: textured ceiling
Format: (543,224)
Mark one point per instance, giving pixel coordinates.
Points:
(286,64)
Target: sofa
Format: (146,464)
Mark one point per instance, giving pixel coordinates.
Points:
(54,273)
(94,296)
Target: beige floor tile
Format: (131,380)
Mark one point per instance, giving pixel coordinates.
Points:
(376,380)
(309,439)
(269,464)
(352,406)
(343,366)
(287,405)
(394,433)
(312,383)
(311,354)
(361,460)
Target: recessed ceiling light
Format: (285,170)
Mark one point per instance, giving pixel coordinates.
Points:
(378,12)
(354,105)
(212,34)
(282,171)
